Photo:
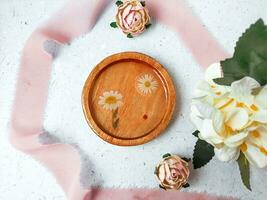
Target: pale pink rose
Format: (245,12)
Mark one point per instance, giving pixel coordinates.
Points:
(172,172)
(132,17)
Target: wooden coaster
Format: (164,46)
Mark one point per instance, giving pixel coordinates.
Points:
(128,99)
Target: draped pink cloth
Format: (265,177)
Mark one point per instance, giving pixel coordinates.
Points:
(75,19)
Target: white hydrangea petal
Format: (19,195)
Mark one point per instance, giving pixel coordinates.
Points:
(237,118)
(255,156)
(225,103)
(212,72)
(260,116)
(207,132)
(241,90)
(258,136)
(227,154)
(204,85)
(236,140)
(194,110)
(263,138)
(197,121)
(218,121)
(203,89)
(204,109)
(261,98)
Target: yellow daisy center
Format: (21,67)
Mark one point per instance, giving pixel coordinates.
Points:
(111,100)
(147,84)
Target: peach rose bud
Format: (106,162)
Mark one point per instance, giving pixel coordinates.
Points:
(172,172)
(132,17)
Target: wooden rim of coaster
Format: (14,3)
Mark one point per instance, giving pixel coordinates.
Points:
(169,91)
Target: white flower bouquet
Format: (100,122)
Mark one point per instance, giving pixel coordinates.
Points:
(229,107)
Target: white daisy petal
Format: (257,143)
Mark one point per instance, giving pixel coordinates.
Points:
(146,84)
(110,100)
(106,107)
(105,94)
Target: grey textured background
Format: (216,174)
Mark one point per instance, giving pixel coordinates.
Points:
(22,178)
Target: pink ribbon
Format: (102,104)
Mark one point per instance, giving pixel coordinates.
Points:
(76,18)
(180,18)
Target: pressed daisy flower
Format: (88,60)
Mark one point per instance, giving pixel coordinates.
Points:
(110,100)
(147,84)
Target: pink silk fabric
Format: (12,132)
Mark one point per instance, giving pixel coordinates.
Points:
(76,18)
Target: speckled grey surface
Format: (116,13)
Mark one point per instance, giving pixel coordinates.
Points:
(104,164)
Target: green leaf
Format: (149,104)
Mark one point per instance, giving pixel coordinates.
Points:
(129,35)
(115,123)
(113,25)
(148,26)
(256,91)
(115,113)
(186,185)
(244,170)
(115,119)
(195,133)
(118,3)
(203,153)
(143,3)
(224,81)
(250,57)
(166,155)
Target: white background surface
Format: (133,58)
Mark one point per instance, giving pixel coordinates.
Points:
(22,178)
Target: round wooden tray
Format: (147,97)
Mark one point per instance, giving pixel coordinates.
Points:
(128,99)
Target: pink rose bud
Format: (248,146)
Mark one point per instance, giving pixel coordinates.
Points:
(172,172)
(132,17)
